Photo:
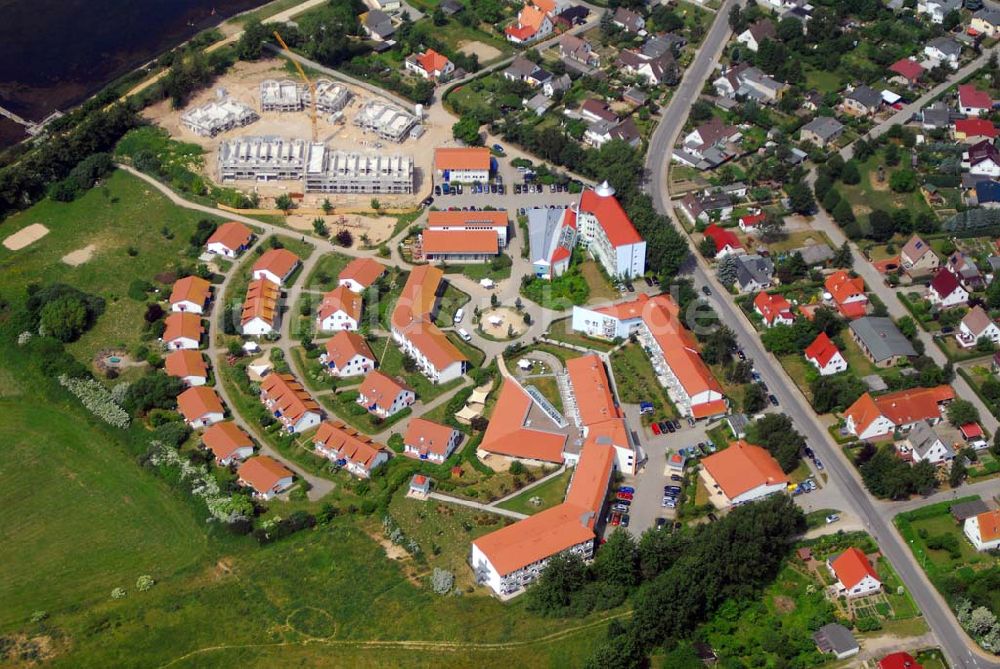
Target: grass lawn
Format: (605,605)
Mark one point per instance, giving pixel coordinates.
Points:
(823,80)
(550,493)
(124,213)
(869,194)
(857,362)
(931,659)
(797,367)
(601,289)
(476,356)
(944,524)
(392,364)
(903,606)
(548,387)
(324,274)
(450,301)
(482,270)
(343,406)
(636,381)
(562,330)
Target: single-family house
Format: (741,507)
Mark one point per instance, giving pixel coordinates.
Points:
(533,23)
(429,65)
(774,309)
(750,223)
(377,25)
(265,476)
(986,21)
(227,442)
(259,313)
(907,71)
(847,293)
(538,103)
(289,402)
(936,117)
(856,577)
(339,310)
(944,50)
(983,530)
(629,21)
(200,407)
(965,267)
(654,71)
(825,356)
(463,164)
(745,82)
(276,265)
(936,10)
(972,101)
(977,325)
(946,290)
(522,69)
(974,130)
(757,32)
(740,474)
(926,445)
(350,449)
(229,239)
(706,206)
(186,365)
(360,274)
(881,341)
(902,659)
(595,110)
(427,440)
(183,330)
(575,48)
(602,132)
(917,257)
(837,640)
(347,354)
(725,240)
(635,96)
(383,396)
(877,417)
(862,101)
(753,273)
(982,159)
(821,131)
(555,85)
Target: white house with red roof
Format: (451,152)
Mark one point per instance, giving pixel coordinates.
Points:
(275,265)
(384,396)
(974,130)
(607,232)
(339,310)
(877,417)
(726,241)
(465,164)
(983,530)
(182,330)
(982,159)
(289,402)
(856,577)
(229,239)
(265,476)
(946,290)
(774,309)
(750,223)
(613,321)
(972,101)
(740,474)
(427,440)
(847,293)
(227,442)
(347,354)
(186,365)
(532,24)
(190,294)
(825,356)
(430,65)
(360,274)
(350,449)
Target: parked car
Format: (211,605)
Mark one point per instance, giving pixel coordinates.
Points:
(819,465)
(706,290)
(672,488)
(773,400)
(427,201)
(675,477)
(649,282)
(624,495)
(655,427)
(832,518)
(616,519)
(625,520)
(660,523)
(621,508)
(437,190)
(627,488)
(498,148)
(743,356)
(670,426)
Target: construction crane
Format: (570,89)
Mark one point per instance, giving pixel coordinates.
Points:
(309,84)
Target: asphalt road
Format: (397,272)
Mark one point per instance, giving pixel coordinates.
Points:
(876,519)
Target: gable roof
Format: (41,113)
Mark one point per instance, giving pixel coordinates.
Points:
(970,96)
(822,350)
(824,127)
(380,389)
(923,437)
(722,237)
(231,234)
(262,472)
(600,109)
(742,467)
(945,282)
(507,435)
(976,127)
(426,435)
(182,324)
(261,302)
(771,306)
(908,68)
(344,345)
(592,389)
(900,408)
(835,638)
(196,402)
(851,567)
(185,362)
(343,299)
(900,660)
(279,262)
(191,289)
(987,191)
(601,203)
(977,320)
(915,249)
(462,158)
(989,525)
(349,444)
(431,61)
(363,271)
(762,29)
(842,287)
(223,439)
(288,396)
(866,96)
(982,151)
(945,45)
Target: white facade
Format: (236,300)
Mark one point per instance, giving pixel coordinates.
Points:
(194,380)
(257,327)
(454,369)
(210,418)
(338,320)
(936,454)
(605,326)
(865,586)
(760,492)
(352,285)
(221,249)
(357,365)
(182,343)
(468,175)
(306,422)
(956,297)
(508,584)
(834,365)
(626,260)
(988,168)
(404,399)
(974,534)
(437,458)
(877,427)
(188,306)
(281,486)
(934,53)
(967,338)
(240,454)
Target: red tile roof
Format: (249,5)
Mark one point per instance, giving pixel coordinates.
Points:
(461,158)
(507,435)
(822,350)
(261,302)
(902,408)
(343,299)
(428,436)
(752,220)
(842,287)
(976,127)
(945,282)
(262,473)
(182,324)
(363,271)
(185,363)
(722,237)
(907,68)
(411,317)
(742,467)
(345,345)
(287,396)
(463,219)
(970,430)
(196,402)
(223,439)
(989,525)
(970,96)
(191,289)
(380,389)
(851,567)
(279,262)
(347,442)
(592,389)
(431,61)
(901,660)
(460,241)
(772,306)
(231,234)
(609,213)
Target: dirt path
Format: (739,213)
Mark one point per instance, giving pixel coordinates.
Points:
(450,646)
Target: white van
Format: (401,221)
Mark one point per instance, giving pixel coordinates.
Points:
(464,335)
(459,315)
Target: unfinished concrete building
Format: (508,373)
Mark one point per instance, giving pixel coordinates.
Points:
(330,97)
(217,116)
(387,121)
(262,158)
(331,171)
(282,96)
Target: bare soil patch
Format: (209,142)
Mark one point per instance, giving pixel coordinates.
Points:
(784,604)
(875,183)
(484,51)
(80,256)
(392,551)
(25,237)
(378,228)
(20,650)
(496,322)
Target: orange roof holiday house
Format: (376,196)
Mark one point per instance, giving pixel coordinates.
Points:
(200,407)
(350,449)
(275,265)
(190,294)
(427,440)
(289,402)
(227,442)
(741,473)
(339,310)
(856,577)
(360,274)
(229,240)
(183,330)
(187,365)
(430,65)
(384,396)
(265,476)
(347,354)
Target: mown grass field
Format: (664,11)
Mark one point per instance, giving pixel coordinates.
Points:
(550,493)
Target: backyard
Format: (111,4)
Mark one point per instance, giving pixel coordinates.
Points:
(546,495)
(636,381)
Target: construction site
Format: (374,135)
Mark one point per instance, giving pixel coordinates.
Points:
(260,134)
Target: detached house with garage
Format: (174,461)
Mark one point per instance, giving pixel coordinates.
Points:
(862,101)
(188,366)
(360,274)
(383,396)
(982,159)
(774,309)
(977,325)
(856,577)
(946,290)
(190,294)
(924,444)
(265,476)
(229,240)
(918,258)
(825,356)
(289,402)
(972,101)
(847,293)
(878,417)
(182,330)
(228,443)
(726,242)
(347,354)
(983,530)
(756,33)
(427,440)
(740,474)
(881,341)
(275,265)
(944,50)
(350,449)
(429,65)
(200,407)
(821,131)
(339,310)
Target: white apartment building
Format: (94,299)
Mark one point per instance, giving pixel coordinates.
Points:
(606,231)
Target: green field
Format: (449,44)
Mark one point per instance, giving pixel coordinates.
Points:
(636,381)
(550,493)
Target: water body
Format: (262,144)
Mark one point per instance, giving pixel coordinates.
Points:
(56,53)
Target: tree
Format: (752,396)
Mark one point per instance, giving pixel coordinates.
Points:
(283,202)
(961,412)
(319,227)
(345,238)
(152,391)
(736,20)
(772,228)
(717,346)
(466,130)
(253,37)
(800,198)
(850,175)
(64,318)
(563,576)
(617,561)
(958,472)
(831,199)
(327,206)
(776,433)
(729,266)
(843,256)
(881,225)
(891,154)
(792,268)
(789,29)
(843,214)
(707,248)
(903,181)
(754,398)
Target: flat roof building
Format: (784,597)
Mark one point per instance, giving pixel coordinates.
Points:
(329,171)
(262,158)
(386,120)
(217,116)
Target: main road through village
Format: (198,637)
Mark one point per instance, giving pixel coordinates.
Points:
(961,651)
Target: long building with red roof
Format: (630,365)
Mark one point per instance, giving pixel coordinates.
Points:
(607,232)
(878,417)
(414,330)
(741,473)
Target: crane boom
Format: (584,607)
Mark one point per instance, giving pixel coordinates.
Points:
(310,84)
